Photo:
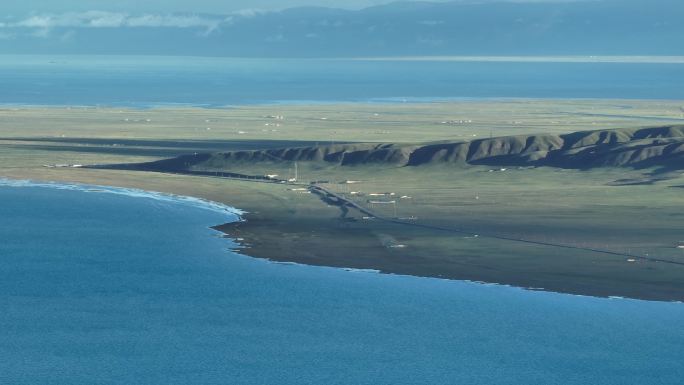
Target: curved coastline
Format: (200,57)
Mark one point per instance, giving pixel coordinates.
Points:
(132,192)
(248,247)
(286,226)
(239,217)
(161,307)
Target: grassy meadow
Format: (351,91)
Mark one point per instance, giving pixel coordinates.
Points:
(622,210)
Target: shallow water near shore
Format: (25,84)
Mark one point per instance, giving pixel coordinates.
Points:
(101,286)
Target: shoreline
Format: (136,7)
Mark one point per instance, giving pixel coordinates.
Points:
(588,59)
(250,244)
(244,244)
(283,224)
(259,237)
(258,246)
(378,102)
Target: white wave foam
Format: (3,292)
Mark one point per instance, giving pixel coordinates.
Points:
(131,192)
(352,270)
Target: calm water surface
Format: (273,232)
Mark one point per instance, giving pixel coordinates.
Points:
(119,287)
(147,81)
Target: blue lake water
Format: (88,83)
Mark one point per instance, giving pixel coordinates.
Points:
(106,286)
(147,81)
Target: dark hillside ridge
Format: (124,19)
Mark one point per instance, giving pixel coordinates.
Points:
(638,147)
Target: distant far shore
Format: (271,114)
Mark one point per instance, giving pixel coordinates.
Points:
(337,103)
(539,59)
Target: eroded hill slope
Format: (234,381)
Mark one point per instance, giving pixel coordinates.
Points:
(638,147)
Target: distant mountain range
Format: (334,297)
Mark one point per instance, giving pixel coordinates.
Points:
(599,27)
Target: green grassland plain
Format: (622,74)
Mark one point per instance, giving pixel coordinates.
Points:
(641,221)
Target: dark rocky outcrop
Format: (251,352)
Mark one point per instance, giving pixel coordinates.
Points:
(644,147)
